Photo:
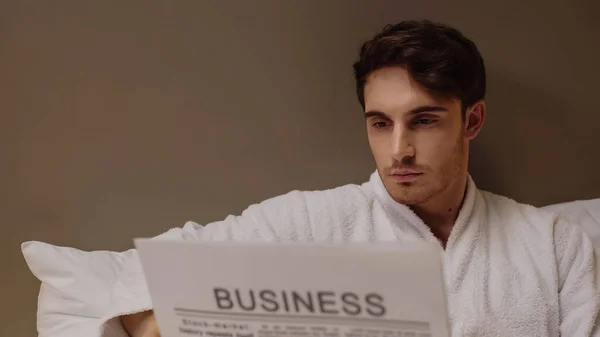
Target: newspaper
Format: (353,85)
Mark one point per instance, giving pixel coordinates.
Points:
(295,290)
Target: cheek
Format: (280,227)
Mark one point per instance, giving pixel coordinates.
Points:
(435,148)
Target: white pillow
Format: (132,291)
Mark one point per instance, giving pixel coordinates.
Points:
(76,291)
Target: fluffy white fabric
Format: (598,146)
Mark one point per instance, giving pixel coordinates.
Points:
(510,269)
(585,213)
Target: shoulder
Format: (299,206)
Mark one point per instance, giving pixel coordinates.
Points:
(528,217)
(313,214)
(514,211)
(343,196)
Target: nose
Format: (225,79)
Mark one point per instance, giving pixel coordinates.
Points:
(402,143)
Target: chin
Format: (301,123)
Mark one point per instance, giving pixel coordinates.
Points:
(408,194)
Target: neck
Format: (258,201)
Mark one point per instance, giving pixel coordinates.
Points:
(441,211)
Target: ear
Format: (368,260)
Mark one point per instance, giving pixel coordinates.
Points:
(474,118)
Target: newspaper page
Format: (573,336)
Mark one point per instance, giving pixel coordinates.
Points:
(295,290)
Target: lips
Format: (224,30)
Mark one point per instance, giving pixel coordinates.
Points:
(405,176)
(404,172)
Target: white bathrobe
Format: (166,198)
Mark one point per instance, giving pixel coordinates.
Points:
(510,269)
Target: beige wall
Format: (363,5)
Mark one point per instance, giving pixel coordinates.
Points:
(123,120)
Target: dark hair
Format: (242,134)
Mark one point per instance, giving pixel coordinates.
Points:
(438,57)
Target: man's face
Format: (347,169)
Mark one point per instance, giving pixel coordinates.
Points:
(417,140)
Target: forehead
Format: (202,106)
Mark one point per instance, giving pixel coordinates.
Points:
(392,90)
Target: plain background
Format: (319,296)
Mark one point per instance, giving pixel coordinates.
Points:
(122,119)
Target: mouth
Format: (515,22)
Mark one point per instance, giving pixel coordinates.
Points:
(405,176)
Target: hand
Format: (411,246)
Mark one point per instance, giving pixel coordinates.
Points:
(141,324)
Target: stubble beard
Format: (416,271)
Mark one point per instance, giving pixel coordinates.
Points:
(431,184)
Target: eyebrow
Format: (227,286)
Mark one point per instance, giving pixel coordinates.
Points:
(415,111)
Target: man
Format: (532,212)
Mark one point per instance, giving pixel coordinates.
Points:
(510,269)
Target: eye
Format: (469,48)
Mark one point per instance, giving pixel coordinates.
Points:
(425,121)
(380,125)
